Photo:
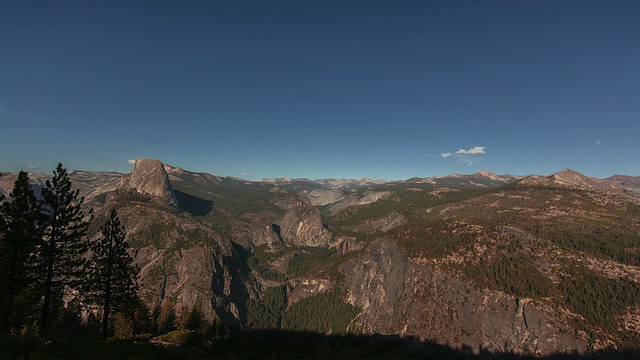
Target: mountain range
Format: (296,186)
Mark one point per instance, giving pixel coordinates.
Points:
(526,264)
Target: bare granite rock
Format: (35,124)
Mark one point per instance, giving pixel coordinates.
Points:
(383,224)
(322,197)
(149,177)
(299,289)
(368,197)
(302,226)
(252,230)
(400,296)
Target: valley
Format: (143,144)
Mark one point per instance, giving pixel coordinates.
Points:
(532,265)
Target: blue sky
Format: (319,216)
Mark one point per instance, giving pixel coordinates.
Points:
(319,89)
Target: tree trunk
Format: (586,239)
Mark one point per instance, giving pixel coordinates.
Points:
(48,283)
(107,293)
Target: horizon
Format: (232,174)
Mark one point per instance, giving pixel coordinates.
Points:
(321,89)
(43,173)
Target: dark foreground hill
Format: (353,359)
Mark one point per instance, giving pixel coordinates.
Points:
(269,345)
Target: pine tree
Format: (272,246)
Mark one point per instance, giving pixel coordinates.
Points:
(21,236)
(195,320)
(64,237)
(167,317)
(112,277)
(143,322)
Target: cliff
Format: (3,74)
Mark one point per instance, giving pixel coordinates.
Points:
(149,177)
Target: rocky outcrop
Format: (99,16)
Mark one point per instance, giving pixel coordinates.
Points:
(400,296)
(186,262)
(92,184)
(368,197)
(299,289)
(149,177)
(322,197)
(383,224)
(302,226)
(252,230)
(347,244)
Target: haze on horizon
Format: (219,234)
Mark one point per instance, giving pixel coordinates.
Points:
(321,89)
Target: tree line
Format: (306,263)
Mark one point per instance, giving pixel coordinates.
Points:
(49,269)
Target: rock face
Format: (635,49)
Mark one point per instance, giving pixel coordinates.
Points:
(187,263)
(149,177)
(322,197)
(252,230)
(92,184)
(367,198)
(302,226)
(400,296)
(299,289)
(347,244)
(383,224)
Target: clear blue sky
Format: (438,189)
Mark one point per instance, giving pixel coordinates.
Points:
(318,89)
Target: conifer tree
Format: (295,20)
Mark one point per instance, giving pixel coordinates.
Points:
(195,320)
(64,240)
(21,234)
(112,277)
(167,317)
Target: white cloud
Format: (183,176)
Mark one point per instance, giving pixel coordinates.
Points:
(32,167)
(446,155)
(244,173)
(476,150)
(131,161)
(598,142)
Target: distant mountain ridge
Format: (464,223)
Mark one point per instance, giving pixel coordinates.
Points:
(568,177)
(92,183)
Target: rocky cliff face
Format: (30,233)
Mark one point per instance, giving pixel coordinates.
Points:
(369,197)
(400,296)
(186,262)
(149,177)
(322,197)
(302,226)
(252,230)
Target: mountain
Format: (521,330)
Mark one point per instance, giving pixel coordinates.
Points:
(481,178)
(531,265)
(569,176)
(630,183)
(149,177)
(306,185)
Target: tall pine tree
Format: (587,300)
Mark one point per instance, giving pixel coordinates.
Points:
(65,242)
(112,277)
(21,236)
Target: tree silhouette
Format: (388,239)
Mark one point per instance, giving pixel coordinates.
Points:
(64,237)
(167,317)
(112,277)
(195,320)
(21,234)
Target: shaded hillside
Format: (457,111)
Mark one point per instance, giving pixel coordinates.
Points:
(271,345)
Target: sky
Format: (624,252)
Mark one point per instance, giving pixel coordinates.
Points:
(321,89)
